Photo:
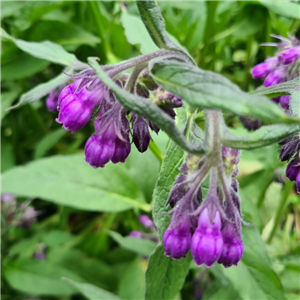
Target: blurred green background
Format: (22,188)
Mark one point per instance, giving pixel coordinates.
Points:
(79,209)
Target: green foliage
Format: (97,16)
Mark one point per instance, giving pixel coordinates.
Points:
(85,215)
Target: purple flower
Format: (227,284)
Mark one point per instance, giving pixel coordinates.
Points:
(263,69)
(275,77)
(141,136)
(233,246)
(147,222)
(207,241)
(111,138)
(76,106)
(293,171)
(285,101)
(288,56)
(7,197)
(177,239)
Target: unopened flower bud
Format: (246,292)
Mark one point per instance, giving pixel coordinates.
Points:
(275,77)
(207,241)
(147,222)
(288,56)
(177,240)
(263,69)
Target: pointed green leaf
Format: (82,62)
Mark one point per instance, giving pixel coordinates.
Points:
(205,89)
(70,181)
(45,50)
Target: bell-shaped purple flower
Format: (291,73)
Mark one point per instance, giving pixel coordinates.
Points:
(111,138)
(207,241)
(275,77)
(232,248)
(263,69)
(177,239)
(288,56)
(292,171)
(76,107)
(141,136)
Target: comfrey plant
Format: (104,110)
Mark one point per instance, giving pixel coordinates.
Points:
(196,205)
(283,67)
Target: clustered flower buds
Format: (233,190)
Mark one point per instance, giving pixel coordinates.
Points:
(211,228)
(149,225)
(88,98)
(290,151)
(283,67)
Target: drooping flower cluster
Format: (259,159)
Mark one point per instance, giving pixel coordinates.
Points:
(283,67)
(88,98)
(211,228)
(290,151)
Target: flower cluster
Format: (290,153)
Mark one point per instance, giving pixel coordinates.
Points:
(88,98)
(290,151)
(283,67)
(211,228)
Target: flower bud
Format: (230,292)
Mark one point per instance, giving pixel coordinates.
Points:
(232,248)
(288,56)
(146,222)
(275,77)
(136,234)
(285,101)
(263,69)
(292,171)
(207,241)
(141,136)
(177,240)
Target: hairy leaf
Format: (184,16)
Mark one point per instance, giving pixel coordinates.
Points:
(205,89)
(69,181)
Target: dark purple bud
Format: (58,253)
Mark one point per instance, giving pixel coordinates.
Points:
(275,77)
(207,241)
(250,123)
(76,108)
(147,222)
(292,171)
(232,248)
(177,240)
(154,127)
(198,293)
(141,136)
(298,182)
(285,101)
(289,55)
(263,69)
(289,149)
(136,234)
(178,190)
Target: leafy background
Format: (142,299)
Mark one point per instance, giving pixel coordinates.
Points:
(86,214)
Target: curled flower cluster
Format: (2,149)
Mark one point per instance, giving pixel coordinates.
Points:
(283,67)
(88,98)
(290,151)
(210,228)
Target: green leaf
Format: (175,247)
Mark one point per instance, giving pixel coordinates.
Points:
(132,284)
(254,278)
(136,33)
(205,89)
(91,292)
(7,98)
(165,276)
(283,8)
(70,181)
(266,135)
(147,109)
(25,64)
(42,90)
(47,142)
(140,246)
(45,50)
(70,35)
(38,277)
